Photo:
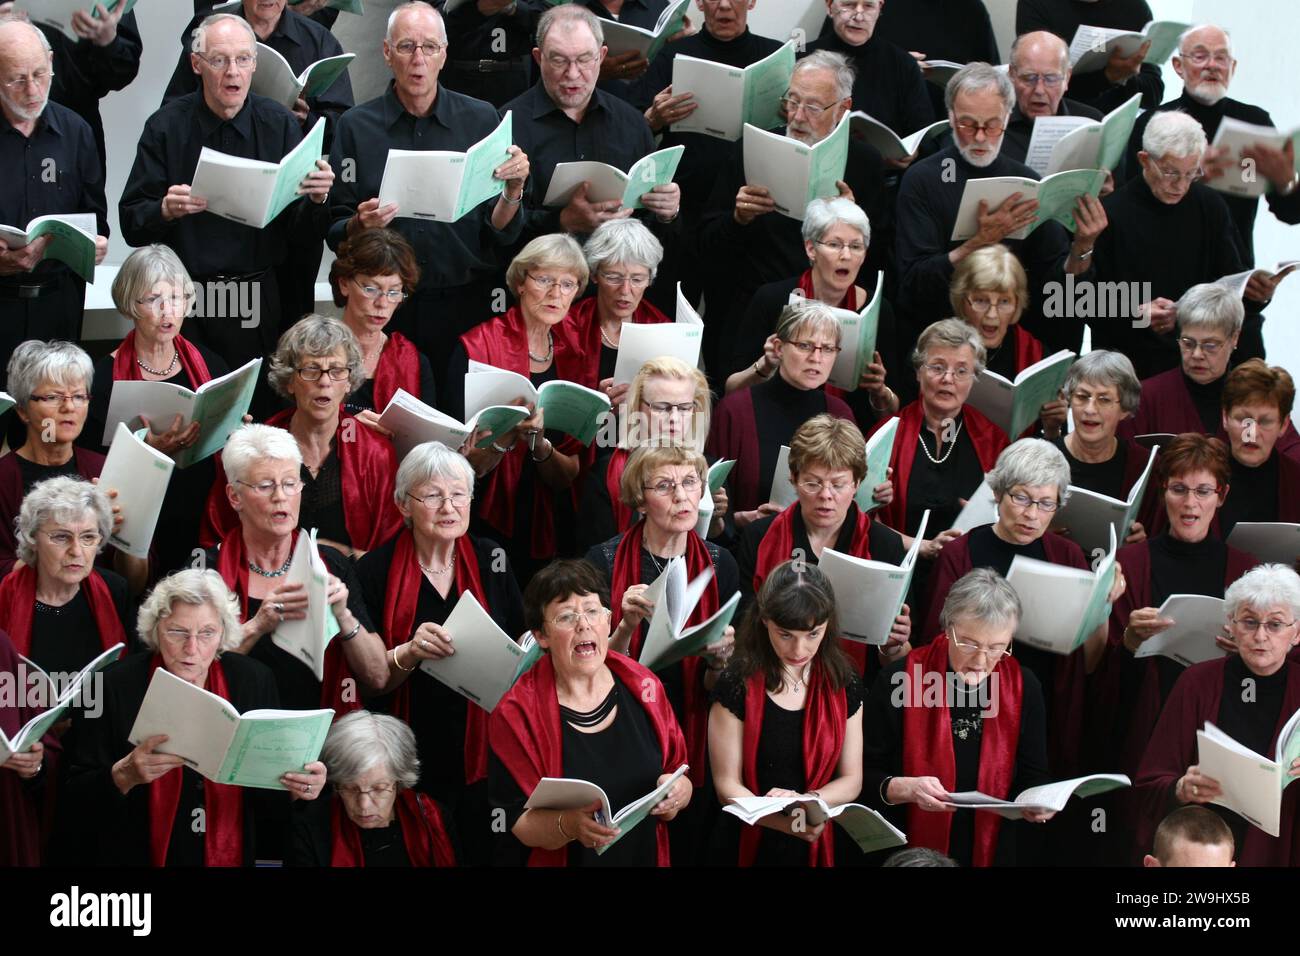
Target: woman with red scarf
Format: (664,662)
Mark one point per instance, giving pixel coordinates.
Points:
(154,291)
(586,713)
(529,475)
(786,721)
(138,805)
(376,818)
(990,291)
(264,466)
(827,463)
(20,813)
(836,234)
(375,272)
(346,469)
(411,583)
(958,714)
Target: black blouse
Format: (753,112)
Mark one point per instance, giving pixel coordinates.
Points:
(937,487)
(65,639)
(779,409)
(1254,494)
(1249,719)
(1104,477)
(322,500)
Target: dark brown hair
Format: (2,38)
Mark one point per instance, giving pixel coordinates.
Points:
(374,252)
(1256,381)
(556,582)
(1192,452)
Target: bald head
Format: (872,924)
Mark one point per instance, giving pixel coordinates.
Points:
(1040,72)
(24,56)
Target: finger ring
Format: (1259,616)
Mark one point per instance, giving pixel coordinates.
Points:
(1196,791)
(279,608)
(424,643)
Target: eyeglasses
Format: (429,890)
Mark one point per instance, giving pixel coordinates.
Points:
(991,128)
(637,281)
(377,791)
(1202,492)
(835,247)
(1209,346)
(1267,423)
(667,408)
(244,61)
(1004,305)
(1045,505)
(562,63)
(78,399)
(177,303)
(793,106)
(178,635)
(568,621)
(1049,80)
(1251,626)
(815,486)
(264,489)
(866,7)
(940,372)
(64,539)
(993,654)
(1174,177)
(1202,57)
(312,373)
(1081,398)
(40,78)
(667,487)
(458,499)
(810,348)
(546,283)
(372,292)
(429,48)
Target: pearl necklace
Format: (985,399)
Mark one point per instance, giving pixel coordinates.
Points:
(435,570)
(946,455)
(165,373)
(605,338)
(284,569)
(550,350)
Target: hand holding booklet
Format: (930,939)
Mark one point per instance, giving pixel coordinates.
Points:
(60,699)
(486,662)
(1197,620)
(1091,48)
(444,186)
(625,38)
(794,172)
(717,476)
(1252,784)
(1061,606)
(728,97)
(1049,798)
(1056,196)
(139,474)
(1014,405)
(870,594)
(306,639)
(867,828)
(207,732)
(606,183)
(567,406)
(668,639)
(1234,135)
(412,423)
(71,235)
(1059,143)
(1088,515)
(251,191)
(563,793)
(274,77)
(58,13)
(867,128)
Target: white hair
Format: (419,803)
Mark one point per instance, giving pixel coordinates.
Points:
(1030,461)
(199,36)
(33,362)
(822,214)
(1263,587)
(412,5)
(974,77)
(982,595)
(1173,133)
(250,444)
(428,461)
(195,587)
(837,63)
(64,498)
(1182,37)
(1211,306)
(362,740)
(625,241)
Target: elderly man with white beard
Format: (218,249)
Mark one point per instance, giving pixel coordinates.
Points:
(980,100)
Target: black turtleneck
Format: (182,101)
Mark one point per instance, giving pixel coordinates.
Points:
(1208,399)
(1249,718)
(1252,496)
(938,486)
(1104,477)
(1169,247)
(955,30)
(1181,567)
(779,409)
(1242,209)
(889,84)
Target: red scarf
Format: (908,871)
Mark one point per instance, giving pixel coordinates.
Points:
(927,748)
(624,517)
(627,572)
(125,368)
(825,716)
(988,439)
(399,367)
(400,601)
(587,321)
(527,738)
(1028,349)
(849,302)
(18,604)
(367,473)
(503,342)
(423,833)
(339,687)
(777,546)
(223,805)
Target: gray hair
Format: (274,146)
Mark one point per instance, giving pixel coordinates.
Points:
(200,33)
(65,498)
(1173,133)
(1103,367)
(809,317)
(1030,461)
(250,444)
(837,63)
(569,15)
(949,333)
(1040,36)
(982,595)
(362,741)
(558,250)
(412,5)
(63,363)
(915,856)
(1212,306)
(428,461)
(1182,37)
(1262,587)
(40,34)
(623,240)
(195,587)
(314,336)
(143,269)
(821,214)
(974,77)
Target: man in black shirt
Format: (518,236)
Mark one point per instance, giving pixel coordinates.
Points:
(959,31)
(51,167)
(492,41)
(980,102)
(222,256)
(1040,74)
(459,262)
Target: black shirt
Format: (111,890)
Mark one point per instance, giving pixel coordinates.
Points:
(937,487)
(1253,495)
(1104,477)
(322,500)
(363,399)
(956,30)
(1249,718)
(1180,567)
(56,170)
(65,639)
(449,254)
(779,409)
(889,85)
(1208,399)
(168,154)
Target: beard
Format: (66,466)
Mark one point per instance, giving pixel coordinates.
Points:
(979,162)
(1208,94)
(24,114)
